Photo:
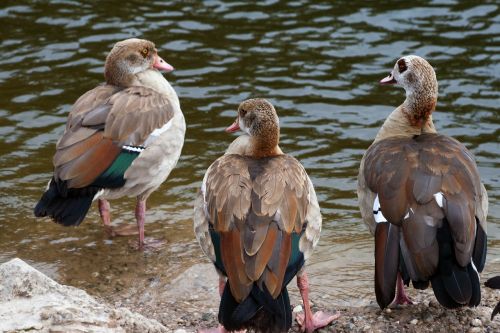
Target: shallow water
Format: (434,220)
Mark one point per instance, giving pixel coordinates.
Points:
(317,62)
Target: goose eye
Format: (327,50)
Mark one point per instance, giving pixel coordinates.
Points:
(402,66)
(144,52)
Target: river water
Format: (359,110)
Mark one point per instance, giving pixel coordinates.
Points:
(317,62)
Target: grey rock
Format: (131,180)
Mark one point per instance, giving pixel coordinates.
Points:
(33,302)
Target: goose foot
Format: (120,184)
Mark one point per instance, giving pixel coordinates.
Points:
(148,244)
(308,321)
(121,230)
(318,320)
(113,231)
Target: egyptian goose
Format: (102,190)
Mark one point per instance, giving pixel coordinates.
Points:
(420,194)
(122,138)
(257,218)
(494,283)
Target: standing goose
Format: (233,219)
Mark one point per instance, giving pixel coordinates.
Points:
(257,218)
(421,196)
(122,138)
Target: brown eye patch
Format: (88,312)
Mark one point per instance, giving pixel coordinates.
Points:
(132,57)
(243,112)
(402,65)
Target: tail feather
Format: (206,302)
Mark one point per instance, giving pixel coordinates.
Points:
(66,207)
(458,285)
(480,247)
(475,286)
(441,294)
(493,283)
(495,311)
(386,262)
(259,311)
(453,285)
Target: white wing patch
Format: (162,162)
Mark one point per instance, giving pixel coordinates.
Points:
(98,194)
(377,211)
(379,217)
(439,198)
(157,132)
(133,148)
(203,193)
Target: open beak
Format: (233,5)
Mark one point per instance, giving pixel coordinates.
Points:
(388,80)
(161,64)
(234,127)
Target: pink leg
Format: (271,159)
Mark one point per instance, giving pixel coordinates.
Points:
(401,297)
(140,216)
(104,211)
(104,208)
(308,321)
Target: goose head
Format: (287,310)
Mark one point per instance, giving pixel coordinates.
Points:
(131,57)
(418,78)
(257,118)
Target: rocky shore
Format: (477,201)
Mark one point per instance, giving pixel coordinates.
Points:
(32,302)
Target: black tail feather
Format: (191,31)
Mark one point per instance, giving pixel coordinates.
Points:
(65,206)
(480,247)
(493,283)
(458,284)
(259,311)
(441,294)
(475,286)
(453,285)
(386,262)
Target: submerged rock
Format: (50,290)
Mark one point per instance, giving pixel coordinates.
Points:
(31,301)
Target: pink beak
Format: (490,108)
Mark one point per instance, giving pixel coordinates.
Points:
(234,127)
(388,80)
(162,65)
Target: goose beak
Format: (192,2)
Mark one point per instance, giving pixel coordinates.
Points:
(162,65)
(388,80)
(234,127)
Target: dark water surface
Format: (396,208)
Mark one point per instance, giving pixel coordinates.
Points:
(318,62)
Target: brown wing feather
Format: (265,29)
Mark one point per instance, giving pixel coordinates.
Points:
(90,101)
(255,204)
(135,113)
(231,252)
(66,154)
(100,122)
(78,172)
(255,264)
(406,173)
(82,153)
(86,106)
(277,267)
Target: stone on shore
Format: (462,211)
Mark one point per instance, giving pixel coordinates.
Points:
(31,301)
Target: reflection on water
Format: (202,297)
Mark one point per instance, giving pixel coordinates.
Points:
(318,62)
